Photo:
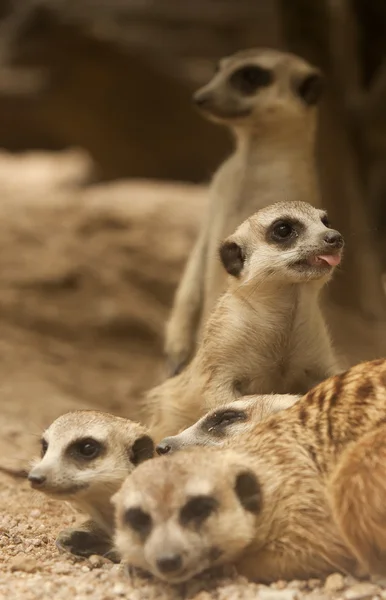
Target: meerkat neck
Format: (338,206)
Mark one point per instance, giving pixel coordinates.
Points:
(289,152)
(100,510)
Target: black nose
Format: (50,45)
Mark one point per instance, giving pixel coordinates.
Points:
(36,480)
(333,239)
(164,447)
(168,564)
(200,99)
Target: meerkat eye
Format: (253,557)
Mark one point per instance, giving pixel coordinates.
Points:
(86,448)
(325,221)
(282,230)
(197,510)
(44,447)
(138,520)
(248,79)
(225,418)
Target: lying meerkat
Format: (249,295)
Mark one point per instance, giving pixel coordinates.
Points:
(267,333)
(227,421)
(310,500)
(268,99)
(200,508)
(86,456)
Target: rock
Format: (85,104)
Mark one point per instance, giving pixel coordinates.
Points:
(266,593)
(334,583)
(21,562)
(97,561)
(119,589)
(361,591)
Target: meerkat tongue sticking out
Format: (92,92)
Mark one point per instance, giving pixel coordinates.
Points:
(86,455)
(266,334)
(269,101)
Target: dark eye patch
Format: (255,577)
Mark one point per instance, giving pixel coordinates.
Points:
(197,510)
(284,231)
(218,421)
(85,449)
(250,78)
(139,520)
(44,447)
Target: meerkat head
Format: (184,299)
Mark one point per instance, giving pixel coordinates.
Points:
(287,242)
(177,516)
(228,421)
(87,452)
(260,86)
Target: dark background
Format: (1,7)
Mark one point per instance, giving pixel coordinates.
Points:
(115,77)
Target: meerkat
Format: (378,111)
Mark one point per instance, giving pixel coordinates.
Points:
(227,421)
(310,502)
(202,507)
(266,334)
(268,99)
(85,457)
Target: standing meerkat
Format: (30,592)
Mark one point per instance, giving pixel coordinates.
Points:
(268,99)
(267,333)
(227,421)
(85,457)
(301,496)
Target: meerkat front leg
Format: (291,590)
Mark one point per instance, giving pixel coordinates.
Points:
(182,326)
(85,540)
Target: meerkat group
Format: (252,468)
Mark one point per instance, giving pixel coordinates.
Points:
(271,454)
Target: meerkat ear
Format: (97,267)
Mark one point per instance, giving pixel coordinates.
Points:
(232,257)
(310,87)
(248,491)
(142,449)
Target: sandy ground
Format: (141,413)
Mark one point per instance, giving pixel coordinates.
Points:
(87,276)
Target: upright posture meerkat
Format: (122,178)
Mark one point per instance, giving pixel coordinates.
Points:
(266,334)
(301,496)
(268,100)
(86,456)
(229,420)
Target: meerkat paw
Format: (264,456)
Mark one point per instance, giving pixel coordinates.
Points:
(178,353)
(178,347)
(84,542)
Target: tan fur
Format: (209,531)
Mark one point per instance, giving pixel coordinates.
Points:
(357,494)
(333,438)
(319,468)
(266,334)
(227,421)
(88,484)
(273,159)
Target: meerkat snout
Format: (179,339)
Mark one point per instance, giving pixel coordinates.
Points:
(290,241)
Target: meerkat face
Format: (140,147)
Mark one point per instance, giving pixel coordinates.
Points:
(85,452)
(177,516)
(288,242)
(260,86)
(228,421)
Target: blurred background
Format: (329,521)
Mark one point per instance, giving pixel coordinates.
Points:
(104,167)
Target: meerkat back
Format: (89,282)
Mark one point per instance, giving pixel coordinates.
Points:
(268,99)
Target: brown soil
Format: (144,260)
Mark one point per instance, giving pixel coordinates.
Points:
(87,276)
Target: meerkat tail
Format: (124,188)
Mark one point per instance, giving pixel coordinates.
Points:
(357,494)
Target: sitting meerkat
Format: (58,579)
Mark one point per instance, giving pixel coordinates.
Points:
(269,101)
(299,495)
(227,421)
(85,457)
(266,334)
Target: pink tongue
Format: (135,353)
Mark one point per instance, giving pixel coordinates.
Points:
(331,259)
